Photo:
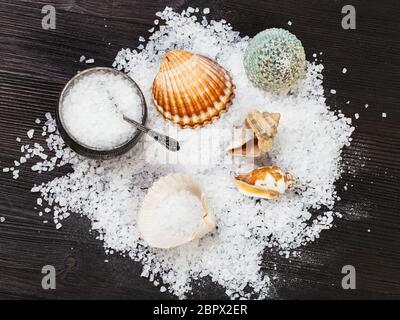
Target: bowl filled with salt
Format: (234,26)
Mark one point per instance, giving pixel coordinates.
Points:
(93,109)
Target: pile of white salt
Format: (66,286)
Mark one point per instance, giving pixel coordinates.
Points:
(175,218)
(92,110)
(110,193)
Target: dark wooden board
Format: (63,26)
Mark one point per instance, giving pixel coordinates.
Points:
(35,64)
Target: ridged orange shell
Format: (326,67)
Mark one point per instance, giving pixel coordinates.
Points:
(191,90)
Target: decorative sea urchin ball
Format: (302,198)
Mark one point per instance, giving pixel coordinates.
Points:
(274,60)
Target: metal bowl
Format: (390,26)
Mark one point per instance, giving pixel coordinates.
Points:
(80,147)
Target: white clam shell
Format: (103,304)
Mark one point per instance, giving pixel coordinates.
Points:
(149,226)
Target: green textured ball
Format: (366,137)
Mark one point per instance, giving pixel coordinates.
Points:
(274,60)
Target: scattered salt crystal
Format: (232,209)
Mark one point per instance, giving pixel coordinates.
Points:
(6,169)
(30,133)
(289,23)
(39,201)
(15,174)
(2,219)
(356,116)
(366,105)
(206,11)
(344,70)
(89,61)
(156,22)
(82,58)
(37,121)
(142,39)
(333,91)
(314,55)
(18,139)
(58,226)
(384,115)
(151,30)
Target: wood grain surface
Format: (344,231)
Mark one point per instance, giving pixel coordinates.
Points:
(35,64)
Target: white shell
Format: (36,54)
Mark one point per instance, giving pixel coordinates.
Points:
(149,225)
(244,144)
(257,134)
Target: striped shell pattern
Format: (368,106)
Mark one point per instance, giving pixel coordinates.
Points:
(191,90)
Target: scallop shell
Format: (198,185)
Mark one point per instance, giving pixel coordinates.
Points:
(264,182)
(191,90)
(150,227)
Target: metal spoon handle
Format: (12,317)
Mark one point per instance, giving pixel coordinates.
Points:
(168,142)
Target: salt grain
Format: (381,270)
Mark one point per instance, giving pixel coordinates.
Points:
(384,115)
(30,133)
(344,70)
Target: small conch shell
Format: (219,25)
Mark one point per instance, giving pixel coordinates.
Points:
(186,221)
(264,182)
(191,90)
(257,135)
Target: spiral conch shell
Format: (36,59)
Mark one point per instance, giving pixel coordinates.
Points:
(257,134)
(175,211)
(264,182)
(191,90)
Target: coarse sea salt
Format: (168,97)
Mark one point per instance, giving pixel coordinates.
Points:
(308,144)
(177,216)
(30,133)
(93,110)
